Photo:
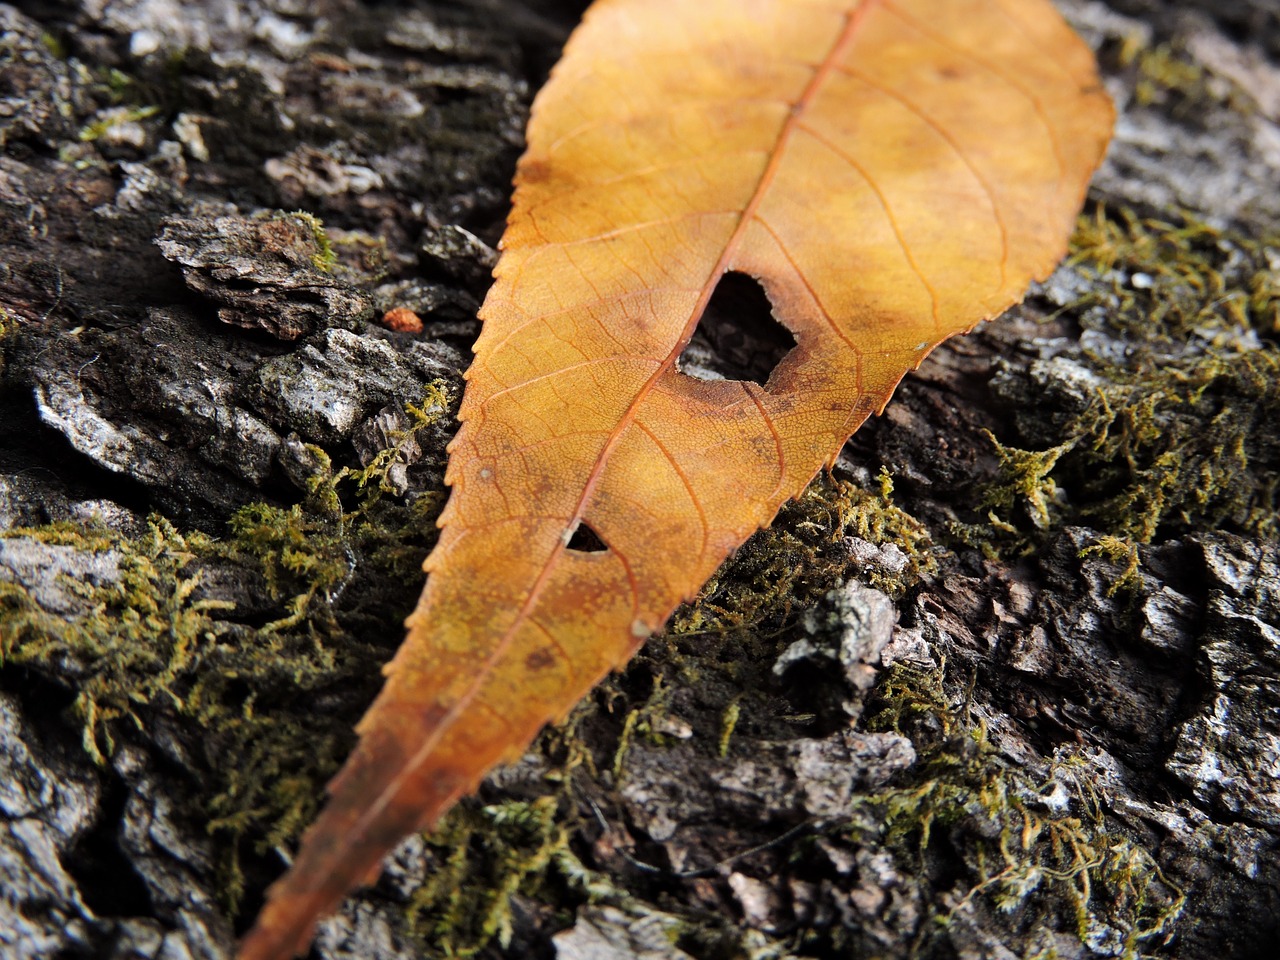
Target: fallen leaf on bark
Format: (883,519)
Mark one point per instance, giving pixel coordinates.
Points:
(891,171)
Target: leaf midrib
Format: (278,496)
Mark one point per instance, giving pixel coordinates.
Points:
(853,20)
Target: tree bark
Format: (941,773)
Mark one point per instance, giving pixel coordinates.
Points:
(1005,684)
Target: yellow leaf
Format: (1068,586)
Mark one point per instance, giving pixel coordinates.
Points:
(892,172)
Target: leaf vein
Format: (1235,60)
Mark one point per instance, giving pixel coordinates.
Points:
(684,479)
(990,67)
(959,151)
(889,215)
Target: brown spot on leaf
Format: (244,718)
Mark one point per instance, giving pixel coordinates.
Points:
(534,171)
(539,660)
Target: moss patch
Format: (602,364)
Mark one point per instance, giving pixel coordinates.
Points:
(482,857)
(262,691)
(325,257)
(790,565)
(1041,853)
(1167,74)
(143,633)
(1178,279)
(114,117)
(1175,435)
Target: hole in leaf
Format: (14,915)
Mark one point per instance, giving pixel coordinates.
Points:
(737,337)
(586,540)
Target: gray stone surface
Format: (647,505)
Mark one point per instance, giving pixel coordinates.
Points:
(267,274)
(607,933)
(52,572)
(327,390)
(1228,751)
(850,628)
(46,806)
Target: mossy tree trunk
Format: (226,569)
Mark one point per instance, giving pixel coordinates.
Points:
(1005,684)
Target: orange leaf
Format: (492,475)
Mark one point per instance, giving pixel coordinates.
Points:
(892,171)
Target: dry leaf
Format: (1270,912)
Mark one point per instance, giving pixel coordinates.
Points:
(892,171)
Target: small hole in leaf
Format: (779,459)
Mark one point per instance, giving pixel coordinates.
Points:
(586,540)
(737,337)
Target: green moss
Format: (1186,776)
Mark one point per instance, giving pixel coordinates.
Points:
(1122,552)
(728,723)
(1182,448)
(114,117)
(8,326)
(1177,434)
(484,856)
(325,259)
(262,694)
(1026,479)
(1187,445)
(788,566)
(149,651)
(1178,278)
(1165,71)
(118,86)
(359,257)
(53,43)
(145,631)
(966,809)
(873,516)
(645,722)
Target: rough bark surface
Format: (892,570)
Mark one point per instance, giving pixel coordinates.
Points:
(1006,685)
